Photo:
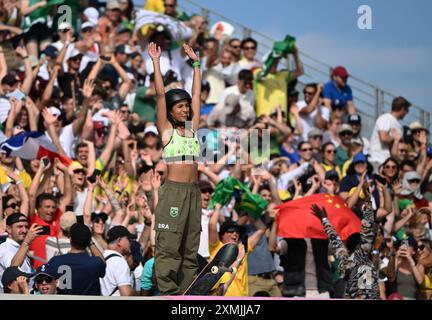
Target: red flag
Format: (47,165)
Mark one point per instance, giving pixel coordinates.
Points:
(296,220)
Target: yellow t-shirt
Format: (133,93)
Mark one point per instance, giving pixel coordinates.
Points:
(23,175)
(239,286)
(271,92)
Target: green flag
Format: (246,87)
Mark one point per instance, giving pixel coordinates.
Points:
(280,49)
(246,201)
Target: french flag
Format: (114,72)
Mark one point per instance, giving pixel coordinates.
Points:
(30,145)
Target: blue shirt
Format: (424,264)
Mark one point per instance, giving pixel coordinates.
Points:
(147,278)
(339,98)
(78,273)
(260,259)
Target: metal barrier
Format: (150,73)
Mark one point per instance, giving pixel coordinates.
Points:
(370,100)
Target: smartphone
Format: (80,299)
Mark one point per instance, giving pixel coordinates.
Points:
(46,230)
(92,178)
(380,179)
(106,58)
(405,243)
(46,162)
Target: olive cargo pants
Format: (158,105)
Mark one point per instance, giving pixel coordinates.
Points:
(178,228)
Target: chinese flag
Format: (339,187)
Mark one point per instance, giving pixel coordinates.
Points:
(296,220)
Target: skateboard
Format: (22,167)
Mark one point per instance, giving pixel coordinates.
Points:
(214,270)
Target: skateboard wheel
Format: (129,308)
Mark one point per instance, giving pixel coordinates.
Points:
(234,269)
(214,270)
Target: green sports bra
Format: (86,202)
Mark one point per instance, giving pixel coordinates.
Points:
(181,148)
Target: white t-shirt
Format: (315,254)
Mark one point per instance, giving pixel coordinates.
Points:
(378,151)
(66,139)
(309,120)
(79,202)
(203,249)
(117,273)
(8,249)
(52,248)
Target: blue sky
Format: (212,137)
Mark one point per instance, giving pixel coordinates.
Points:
(396,55)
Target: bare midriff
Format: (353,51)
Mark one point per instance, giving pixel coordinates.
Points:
(186,173)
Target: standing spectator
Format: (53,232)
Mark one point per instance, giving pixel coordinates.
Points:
(249,61)
(337,93)
(354,120)
(343,150)
(312,113)
(387,129)
(235,47)
(171,10)
(13,252)
(117,280)
(79,273)
(61,244)
(109,24)
(206,191)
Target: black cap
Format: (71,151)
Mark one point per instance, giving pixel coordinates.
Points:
(175,95)
(51,51)
(101,215)
(332,174)
(11,274)
(122,49)
(205,186)
(15,218)
(354,119)
(118,232)
(230,225)
(46,270)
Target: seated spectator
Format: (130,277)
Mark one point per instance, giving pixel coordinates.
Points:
(315,138)
(313,113)
(337,93)
(354,120)
(342,151)
(411,189)
(15,281)
(45,281)
(332,132)
(77,271)
(329,158)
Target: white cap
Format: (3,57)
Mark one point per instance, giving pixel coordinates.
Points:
(151,129)
(87,24)
(92,15)
(54,111)
(72,53)
(64,25)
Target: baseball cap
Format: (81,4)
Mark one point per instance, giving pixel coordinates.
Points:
(341,72)
(12,273)
(359,157)
(73,53)
(118,232)
(357,141)
(332,174)
(87,24)
(345,127)
(92,15)
(230,226)
(315,133)
(15,218)
(101,215)
(151,130)
(205,186)
(9,79)
(414,126)
(46,270)
(67,220)
(354,119)
(113,4)
(64,25)
(54,111)
(51,51)
(123,49)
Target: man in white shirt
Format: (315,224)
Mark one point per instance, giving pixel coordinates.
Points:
(117,280)
(387,127)
(242,110)
(13,252)
(313,114)
(206,191)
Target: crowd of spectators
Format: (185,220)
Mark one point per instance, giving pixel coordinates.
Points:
(88,228)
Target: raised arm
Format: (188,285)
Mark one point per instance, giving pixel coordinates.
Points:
(213,232)
(15,107)
(161,121)
(127,83)
(196,87)
(368,224)
(26,8)
(50,119)
(299,70)
(109,148)
(28,79)
(87,92)
(25,205)
(34,186)
(117,209)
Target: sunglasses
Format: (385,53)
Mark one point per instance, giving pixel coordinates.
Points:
(390,167)
(232,230)
(306,150)
(79,171)
(346,133)
(317,137)
(414,181)
(169,6)
(311,93)
(12,205)
(236,47)
(206,191)
(64,30)
(43,279)
(249,48)
(330,151)
(85,30)
(98,220)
